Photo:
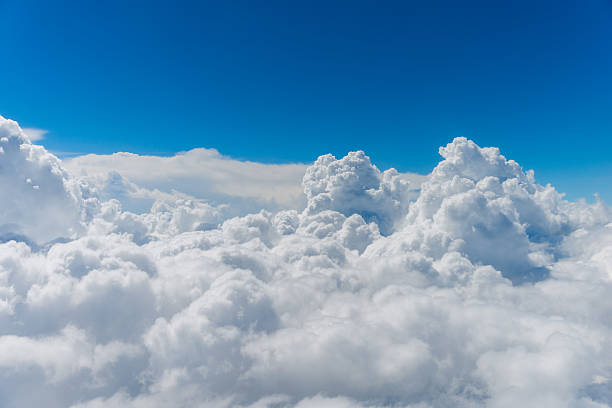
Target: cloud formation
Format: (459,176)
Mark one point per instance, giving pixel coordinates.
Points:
(39,199)
(204,174)
(484,289)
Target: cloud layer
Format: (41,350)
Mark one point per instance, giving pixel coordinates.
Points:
(201,173)
(481,289)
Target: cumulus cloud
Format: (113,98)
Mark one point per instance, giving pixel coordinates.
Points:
(39,200)
(477,288)
(352,185)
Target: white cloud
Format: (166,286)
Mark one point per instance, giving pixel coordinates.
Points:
(35,134)
(484,288)
(138,180)
(39,199)
(201,173)
(352,185)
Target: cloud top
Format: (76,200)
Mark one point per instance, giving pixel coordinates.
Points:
(200,173)
(353,185)
(39,200)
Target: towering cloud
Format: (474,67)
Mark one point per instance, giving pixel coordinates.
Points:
(483,289)
(38,199)
(480,204)
(352,185)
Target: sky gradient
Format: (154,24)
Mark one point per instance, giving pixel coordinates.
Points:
(286,82)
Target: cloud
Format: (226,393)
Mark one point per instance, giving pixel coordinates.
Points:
(201,173)
(477,288)
(39,199)
(35,134)
(138,180)
(352,185)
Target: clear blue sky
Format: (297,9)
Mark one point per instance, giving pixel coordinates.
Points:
(286,81)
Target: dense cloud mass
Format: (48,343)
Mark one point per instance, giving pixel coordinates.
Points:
(482,289)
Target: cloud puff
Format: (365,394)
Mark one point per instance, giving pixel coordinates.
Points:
(352,185)
(39,200)
(483,289)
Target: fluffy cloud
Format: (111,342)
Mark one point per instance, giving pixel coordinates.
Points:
(477,288)
(352,185)
(39,200)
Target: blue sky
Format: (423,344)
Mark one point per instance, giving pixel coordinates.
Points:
(288,81)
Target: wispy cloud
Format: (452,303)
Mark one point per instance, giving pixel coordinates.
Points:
(201,173)
(35,134)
